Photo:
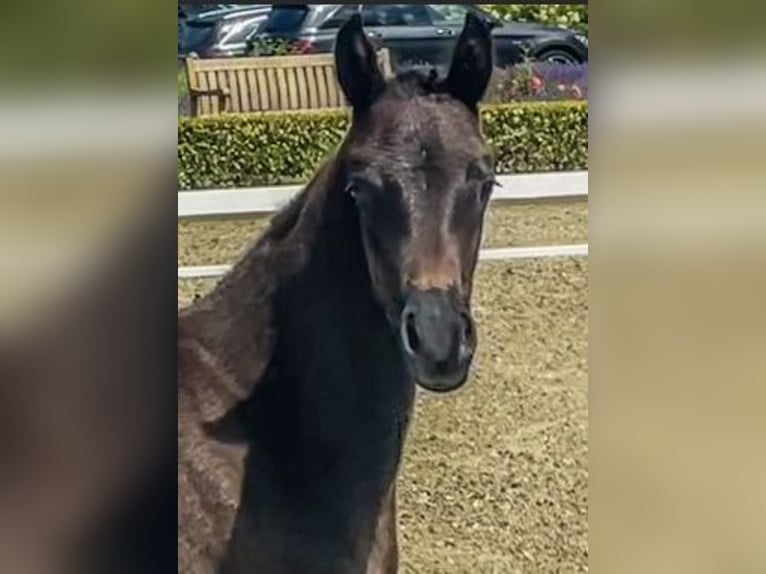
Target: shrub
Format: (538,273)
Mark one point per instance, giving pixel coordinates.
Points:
(567,15)
(247,150)
(184,102)
(538,136)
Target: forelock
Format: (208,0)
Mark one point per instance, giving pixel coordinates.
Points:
(417,81)
(415,109)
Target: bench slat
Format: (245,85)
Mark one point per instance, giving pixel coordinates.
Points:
(219,78)
(311,88)
(292,88)
(277,83)
(272,76)
(204,101)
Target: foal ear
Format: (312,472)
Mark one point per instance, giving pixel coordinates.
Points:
(357,65)
(471,67)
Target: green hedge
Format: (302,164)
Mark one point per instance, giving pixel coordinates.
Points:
(266,149)
(572,16)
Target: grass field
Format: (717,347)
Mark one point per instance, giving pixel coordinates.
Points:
(495,477)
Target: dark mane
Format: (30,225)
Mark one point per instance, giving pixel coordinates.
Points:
(417,80)
(236,317)
(226,340)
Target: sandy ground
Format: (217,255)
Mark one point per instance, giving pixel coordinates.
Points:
(495,477)
(211,243)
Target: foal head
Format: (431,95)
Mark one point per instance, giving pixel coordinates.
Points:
(419,175)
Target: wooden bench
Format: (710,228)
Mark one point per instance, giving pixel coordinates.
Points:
(275,83)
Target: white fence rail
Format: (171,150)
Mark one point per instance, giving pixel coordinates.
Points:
(254,202)
(504,254)
(259,201)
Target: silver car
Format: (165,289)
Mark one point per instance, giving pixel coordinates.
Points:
(220,32)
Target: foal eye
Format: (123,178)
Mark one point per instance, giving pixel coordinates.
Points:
(355,190)
(352,190)
(359,189)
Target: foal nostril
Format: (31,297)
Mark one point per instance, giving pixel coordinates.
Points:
(468,340)
(410,333)
(467,326)
(438,339)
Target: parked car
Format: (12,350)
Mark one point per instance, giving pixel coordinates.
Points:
(191,10)
(419,33)
(218,32)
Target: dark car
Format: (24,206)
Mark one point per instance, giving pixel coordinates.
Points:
(191,10)
(419,33)
(219,31)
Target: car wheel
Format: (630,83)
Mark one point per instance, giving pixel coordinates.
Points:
(557,56)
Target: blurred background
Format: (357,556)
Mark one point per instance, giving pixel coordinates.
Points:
(87,133)
(87,173)
(676,325)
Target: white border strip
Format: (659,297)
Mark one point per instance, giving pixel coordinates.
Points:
(534,252)
(259,201)
(504,254)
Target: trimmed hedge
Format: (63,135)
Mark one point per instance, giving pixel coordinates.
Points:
(574,16)
(248,150)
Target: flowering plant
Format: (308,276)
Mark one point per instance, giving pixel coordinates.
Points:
(279,47)
(539,81)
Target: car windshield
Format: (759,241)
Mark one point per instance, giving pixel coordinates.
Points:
(395,15)
(287,18)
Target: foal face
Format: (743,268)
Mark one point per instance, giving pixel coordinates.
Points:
(420,176)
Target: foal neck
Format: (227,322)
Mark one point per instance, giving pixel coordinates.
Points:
(329,419)
(337,354)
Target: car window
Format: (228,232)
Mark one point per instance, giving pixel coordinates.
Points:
(448,13)
(197,36)
(242,30)
(339,17)
(286,18)
(395,15)
(194,9)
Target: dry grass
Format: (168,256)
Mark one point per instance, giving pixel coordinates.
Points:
(495,476)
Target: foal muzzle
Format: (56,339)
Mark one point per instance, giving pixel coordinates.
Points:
(438,337)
